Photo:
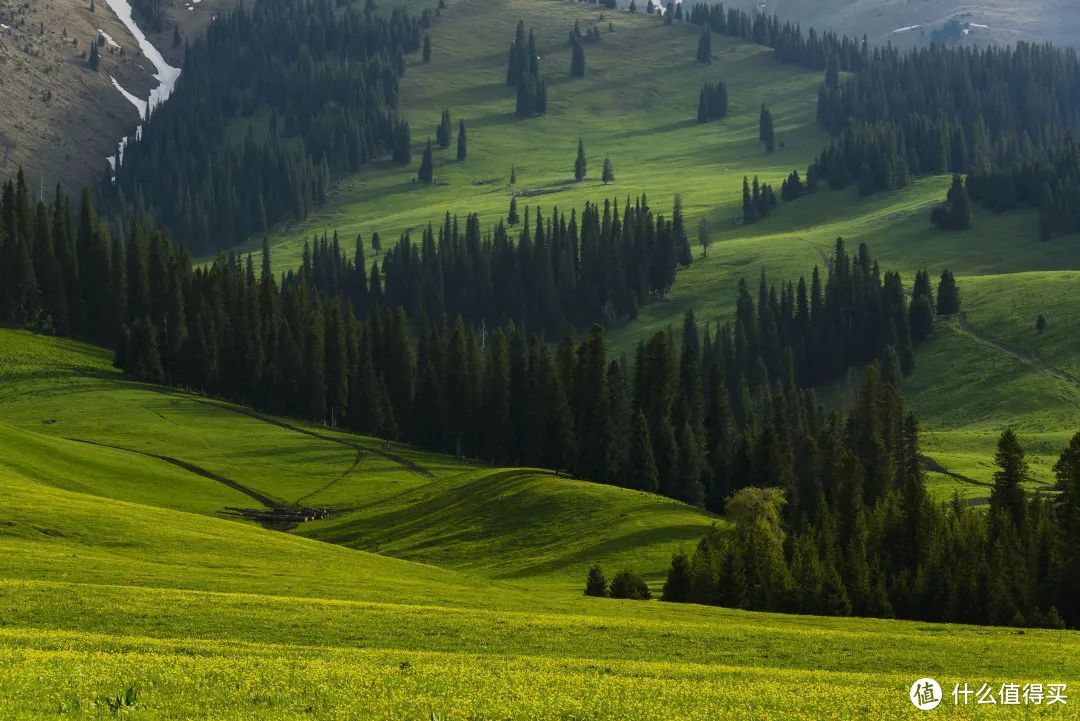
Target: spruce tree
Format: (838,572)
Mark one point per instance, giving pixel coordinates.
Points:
(462,147)
(512,218)
(595,583)
(1008,496)
(703,107)
(1067,507)
(577,60)
(765,129)
(426,174)
(609,172)
(677,585)
(94,61)
(704,48)
(427,49)
(948,295)
(442,133)
(580,164)
(642,473)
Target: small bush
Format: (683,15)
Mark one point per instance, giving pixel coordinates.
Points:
(595,583)
(628,584)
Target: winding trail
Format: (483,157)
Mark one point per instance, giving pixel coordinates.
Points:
(961,326)
(355,445)
(347,471)
(192,468)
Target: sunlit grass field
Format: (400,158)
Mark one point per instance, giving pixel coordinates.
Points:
(119,571)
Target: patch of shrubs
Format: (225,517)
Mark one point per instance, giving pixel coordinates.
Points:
(625,584)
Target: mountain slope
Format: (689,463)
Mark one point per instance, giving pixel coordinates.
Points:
(905,24)
(70,118)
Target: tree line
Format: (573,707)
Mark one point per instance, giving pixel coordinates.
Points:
(1046,181)
(332,343)
(555,271)
(315,87)
(857,534)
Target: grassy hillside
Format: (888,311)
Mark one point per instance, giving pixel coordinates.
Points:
(905,24)
(120,574)
(70,421)
(636,105)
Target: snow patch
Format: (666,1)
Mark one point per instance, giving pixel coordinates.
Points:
(135,100)
(4,27)
(108,38)
(906,29)
(981,27)
(166,75)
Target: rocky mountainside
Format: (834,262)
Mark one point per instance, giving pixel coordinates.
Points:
(61,118)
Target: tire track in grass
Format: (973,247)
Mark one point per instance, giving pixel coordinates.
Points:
(355,445)
(350,469)
(961,326)
(197,470)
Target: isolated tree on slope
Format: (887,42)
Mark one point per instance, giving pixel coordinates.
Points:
(704,46)
(577,61)
(95,57)
(462,143)
(765,129)
(595,584)
(427,170)
(580,165)
(427,49)
(609,172)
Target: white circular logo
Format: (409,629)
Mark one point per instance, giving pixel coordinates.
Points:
(925,694)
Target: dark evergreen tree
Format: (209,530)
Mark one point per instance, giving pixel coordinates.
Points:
(580,164)
(426,174)
(442,133)
(462,143)
(704,48)
(596,584)
(948,295)
(577,60)
(766,134)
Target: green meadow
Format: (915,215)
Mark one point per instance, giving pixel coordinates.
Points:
(436,589)
(637,105)
(132,583)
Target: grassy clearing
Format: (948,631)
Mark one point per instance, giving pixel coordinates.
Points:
(122,576)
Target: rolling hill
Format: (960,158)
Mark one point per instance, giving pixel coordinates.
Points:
(637,106)
(171,555)
(118,571)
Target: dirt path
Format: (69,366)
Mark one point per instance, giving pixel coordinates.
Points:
(350,469)
(197,470)
(961,326)
(355,445)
